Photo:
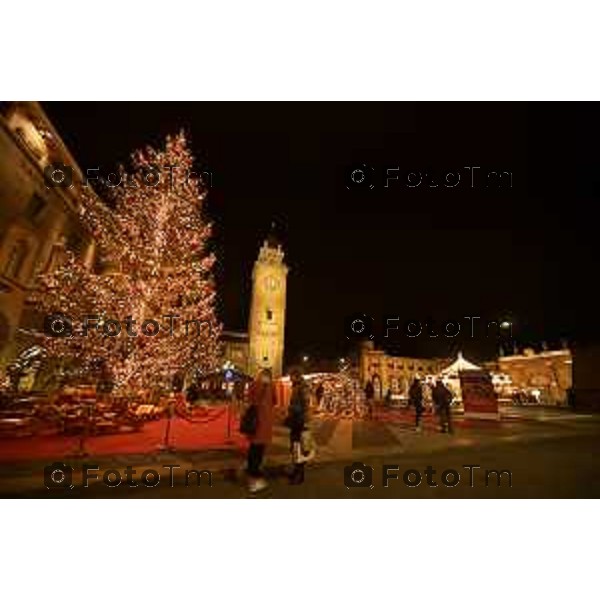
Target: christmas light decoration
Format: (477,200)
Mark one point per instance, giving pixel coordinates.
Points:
(153,264)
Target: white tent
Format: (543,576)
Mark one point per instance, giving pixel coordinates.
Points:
(451,377)
(460,364)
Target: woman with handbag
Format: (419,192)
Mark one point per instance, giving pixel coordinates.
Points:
(257,424)
(296,421)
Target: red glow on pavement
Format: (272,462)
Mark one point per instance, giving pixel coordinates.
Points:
(205,432)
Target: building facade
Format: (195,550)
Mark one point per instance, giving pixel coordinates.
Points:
(394,372)
(36,217)
(550,371)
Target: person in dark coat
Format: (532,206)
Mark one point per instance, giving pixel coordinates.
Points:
(192,392)
(262,395)
(442,399)
(369,395)
(571,397)
(388,398)
(415,398)
(319,394)
(296,420)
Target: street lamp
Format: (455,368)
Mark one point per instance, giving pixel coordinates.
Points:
(305,358)
(506,327)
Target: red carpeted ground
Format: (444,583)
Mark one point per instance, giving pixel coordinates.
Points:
(207,429)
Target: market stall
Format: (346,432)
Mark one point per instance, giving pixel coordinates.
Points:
(472,389)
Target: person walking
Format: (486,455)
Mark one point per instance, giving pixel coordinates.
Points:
(442,399)
(369,395)
(415,398)
(261,397)
(388,398)
(296,421)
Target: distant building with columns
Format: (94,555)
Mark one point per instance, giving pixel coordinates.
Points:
(550,371)
(395,373)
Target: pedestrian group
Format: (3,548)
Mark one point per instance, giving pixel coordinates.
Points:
(258,420)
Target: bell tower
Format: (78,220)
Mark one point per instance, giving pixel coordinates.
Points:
(267,311)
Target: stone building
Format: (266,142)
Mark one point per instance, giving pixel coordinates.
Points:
(550,371)
(36,217)
(394,372)
(263,345)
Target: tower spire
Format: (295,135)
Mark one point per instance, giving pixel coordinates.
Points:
(272,239)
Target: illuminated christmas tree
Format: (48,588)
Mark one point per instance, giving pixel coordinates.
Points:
(153,266)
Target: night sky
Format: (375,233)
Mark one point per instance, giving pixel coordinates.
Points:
(527,253)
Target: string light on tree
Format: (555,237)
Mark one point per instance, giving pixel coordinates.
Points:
(153,262)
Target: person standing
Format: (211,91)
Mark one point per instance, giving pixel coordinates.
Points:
(262,396)
(369,395)
(415,398)
(319,394)
(192,392)
(296,420)
(442,399)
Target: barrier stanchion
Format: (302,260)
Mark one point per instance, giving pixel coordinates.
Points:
(81,451)
(228,439)
(166,446)
(229,418)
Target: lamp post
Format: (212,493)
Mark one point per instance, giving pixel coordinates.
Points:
(505,328)
(228,368)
